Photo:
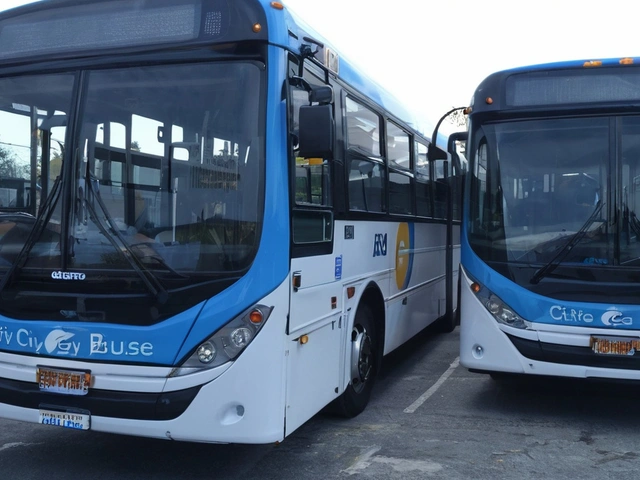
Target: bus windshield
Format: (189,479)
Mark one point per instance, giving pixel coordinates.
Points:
(537,183)
(168,168)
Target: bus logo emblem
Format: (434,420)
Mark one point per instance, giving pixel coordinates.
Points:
(380,245)
(612,318)
(68,276)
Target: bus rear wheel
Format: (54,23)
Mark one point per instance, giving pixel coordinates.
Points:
(363,365)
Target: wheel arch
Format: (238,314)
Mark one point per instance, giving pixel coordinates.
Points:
(372,296)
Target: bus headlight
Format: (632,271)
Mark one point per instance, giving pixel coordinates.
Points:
(502,312)
(227,343)
(206,352)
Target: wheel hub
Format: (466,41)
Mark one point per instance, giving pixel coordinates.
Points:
(361,358)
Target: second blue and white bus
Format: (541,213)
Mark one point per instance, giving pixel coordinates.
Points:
(222,226)
(551,239)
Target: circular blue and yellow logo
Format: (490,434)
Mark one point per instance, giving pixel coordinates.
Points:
(404,255)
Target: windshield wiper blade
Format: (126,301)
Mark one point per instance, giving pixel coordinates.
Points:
(150,281)
(155,256)
(567,247)
(46,210)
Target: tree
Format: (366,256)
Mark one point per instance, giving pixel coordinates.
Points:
(9,167)
(458,118)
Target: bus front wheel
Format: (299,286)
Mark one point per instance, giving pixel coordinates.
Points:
(363,365)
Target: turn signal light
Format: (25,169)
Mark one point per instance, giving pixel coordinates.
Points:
(256,317)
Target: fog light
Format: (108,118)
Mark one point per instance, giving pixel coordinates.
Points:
(478,351)
(206,352)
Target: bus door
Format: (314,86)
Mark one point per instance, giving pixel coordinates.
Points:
(315,322)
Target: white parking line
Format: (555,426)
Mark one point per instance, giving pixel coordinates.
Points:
(7,446)
(362,462)
(425,396)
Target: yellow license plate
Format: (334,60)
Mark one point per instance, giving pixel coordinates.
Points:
(626,346)
(67,382)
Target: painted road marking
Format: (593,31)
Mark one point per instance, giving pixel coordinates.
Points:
(434,388)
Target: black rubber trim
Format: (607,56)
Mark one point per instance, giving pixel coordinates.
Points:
(572,355)
(102,403)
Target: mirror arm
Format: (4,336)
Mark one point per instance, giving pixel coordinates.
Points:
(434,136)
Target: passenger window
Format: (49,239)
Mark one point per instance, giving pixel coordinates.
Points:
(400,175)
(366,186)
(424,187)
(144,136)
(400,188)
(367,172)
(363,127)
(398,147)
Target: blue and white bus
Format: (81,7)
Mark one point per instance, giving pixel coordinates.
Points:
(228,225)
(551,239)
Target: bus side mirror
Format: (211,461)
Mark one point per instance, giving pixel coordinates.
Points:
(436,153)
(321,94)
(316,131)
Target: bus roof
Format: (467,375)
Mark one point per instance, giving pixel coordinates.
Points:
(569,84)
(568,64)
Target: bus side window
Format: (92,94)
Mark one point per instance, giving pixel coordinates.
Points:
(400,175)
(367,172)
(424,187)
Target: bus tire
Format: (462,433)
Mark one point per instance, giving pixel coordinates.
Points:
(363,362)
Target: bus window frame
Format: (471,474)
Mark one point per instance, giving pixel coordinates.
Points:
(308,213)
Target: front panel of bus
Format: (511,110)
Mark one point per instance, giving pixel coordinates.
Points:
(139,256)
(550,251)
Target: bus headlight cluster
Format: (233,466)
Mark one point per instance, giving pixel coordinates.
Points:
(227,343)
(502,312)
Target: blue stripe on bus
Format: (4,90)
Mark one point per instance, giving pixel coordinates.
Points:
(539,309)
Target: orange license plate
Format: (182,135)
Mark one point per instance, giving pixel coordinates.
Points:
(66,382)
(626,346)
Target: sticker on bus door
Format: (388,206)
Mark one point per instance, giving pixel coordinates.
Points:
(338,267)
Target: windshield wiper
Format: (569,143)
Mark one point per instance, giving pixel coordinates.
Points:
(567,247)
(150,281)
(46,210)
(155,256)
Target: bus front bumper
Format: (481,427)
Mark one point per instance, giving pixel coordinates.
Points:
(553,350)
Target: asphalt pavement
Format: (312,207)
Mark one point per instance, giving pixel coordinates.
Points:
(428,418)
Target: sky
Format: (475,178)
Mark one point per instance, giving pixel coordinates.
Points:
(433,54)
